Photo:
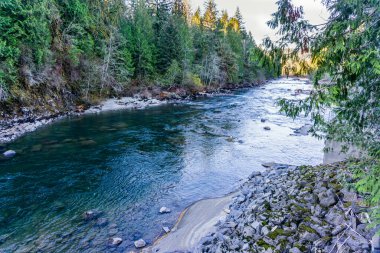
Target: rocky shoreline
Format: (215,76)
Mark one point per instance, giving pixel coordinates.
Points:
(295,209)
(13,127)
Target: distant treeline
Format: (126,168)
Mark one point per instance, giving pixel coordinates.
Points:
(57,51)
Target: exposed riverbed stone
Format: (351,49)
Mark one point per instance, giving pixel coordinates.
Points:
(91,215)
(140,243)
(9,153)
(164,209)
(115,241)
(293,209)
(166,229)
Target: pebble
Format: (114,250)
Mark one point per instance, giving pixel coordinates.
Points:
(91,214)
(115,241)
(9,153)
(164,209)
(140,243)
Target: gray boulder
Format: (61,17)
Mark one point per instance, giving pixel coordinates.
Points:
(140,243)
(309,236)
(91,215)
(294,250)
(265,230)
(335,217)
(256,226)
(376,243)
(115,241)
(349,196)
(327,198)
(338,229)
(357,242)
(164,209)
(248,232)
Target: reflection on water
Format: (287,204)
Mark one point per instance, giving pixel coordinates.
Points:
(127,164)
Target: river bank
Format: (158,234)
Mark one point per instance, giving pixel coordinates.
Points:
(288,209)
(196,222)
(14,126)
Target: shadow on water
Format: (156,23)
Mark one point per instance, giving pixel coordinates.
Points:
(127,164)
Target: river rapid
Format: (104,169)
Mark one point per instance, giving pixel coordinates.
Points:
(127,164)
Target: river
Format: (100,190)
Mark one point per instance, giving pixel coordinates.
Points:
(128,164)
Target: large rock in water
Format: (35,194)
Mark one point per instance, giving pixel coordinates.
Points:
(115,241)
(91,215)
(9,153)
(140,243)
(164,209)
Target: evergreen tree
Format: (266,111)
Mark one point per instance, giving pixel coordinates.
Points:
(239,17)
(224,22)
(182,8)
(143,49)
(197,18)
(210,16)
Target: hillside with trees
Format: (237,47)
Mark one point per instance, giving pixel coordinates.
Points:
(58,54)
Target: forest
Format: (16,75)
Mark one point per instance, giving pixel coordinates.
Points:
(58,54)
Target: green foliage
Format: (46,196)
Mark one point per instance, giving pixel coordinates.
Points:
(209,20)
(24,32)
(172,75)
(84,49)
(142,41)
(347,49)
(368,173)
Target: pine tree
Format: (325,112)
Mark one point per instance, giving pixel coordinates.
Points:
(224,22)
(210,16)
(142,42)
(182,8)
(197,18)
(239,17)
(167,42)
(234,24)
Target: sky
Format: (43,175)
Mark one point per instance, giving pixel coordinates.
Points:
(257,12)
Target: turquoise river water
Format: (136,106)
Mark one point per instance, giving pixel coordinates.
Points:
(127,164)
